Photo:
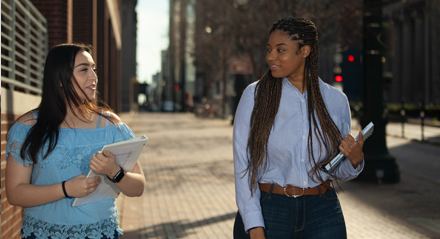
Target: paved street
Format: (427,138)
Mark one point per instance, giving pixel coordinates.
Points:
(190,185)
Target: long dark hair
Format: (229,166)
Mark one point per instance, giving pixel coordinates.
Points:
(58,95)
(267,100)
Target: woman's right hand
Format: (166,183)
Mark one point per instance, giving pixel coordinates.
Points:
(81,186)
(257,233)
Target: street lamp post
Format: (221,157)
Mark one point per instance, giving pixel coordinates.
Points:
(380,166)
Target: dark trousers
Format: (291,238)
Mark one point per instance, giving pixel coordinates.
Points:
(311,217)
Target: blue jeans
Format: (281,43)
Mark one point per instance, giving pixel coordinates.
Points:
(311,217)
(115,236)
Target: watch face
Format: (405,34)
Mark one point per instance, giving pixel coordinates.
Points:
(119,175)
(116,175)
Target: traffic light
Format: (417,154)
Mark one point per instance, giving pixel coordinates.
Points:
(337,71)
(350,58)
(351,73)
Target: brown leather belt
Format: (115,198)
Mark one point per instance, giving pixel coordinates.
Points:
(292,191)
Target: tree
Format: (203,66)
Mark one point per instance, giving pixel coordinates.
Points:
(240,28)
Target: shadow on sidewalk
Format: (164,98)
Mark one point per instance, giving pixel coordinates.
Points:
(413,202)
(176,229)
(431,140)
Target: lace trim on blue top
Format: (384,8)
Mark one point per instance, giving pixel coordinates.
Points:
(79,156)
(14,149)
(69,156)
(74,155)
(45,230)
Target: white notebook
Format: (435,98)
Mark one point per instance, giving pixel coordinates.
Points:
(334,163)
(126,153)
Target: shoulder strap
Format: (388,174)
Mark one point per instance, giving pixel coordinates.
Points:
(35,114)
(99,120)
(106,120)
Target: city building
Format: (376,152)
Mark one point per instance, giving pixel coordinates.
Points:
(166,81)
(128,55)
(181,49)
(412,57)
(156,92)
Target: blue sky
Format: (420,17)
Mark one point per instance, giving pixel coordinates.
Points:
(152,36)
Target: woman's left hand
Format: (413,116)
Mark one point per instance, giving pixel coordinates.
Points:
(104,163)
(352,149)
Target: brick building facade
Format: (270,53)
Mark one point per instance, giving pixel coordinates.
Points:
(128,56)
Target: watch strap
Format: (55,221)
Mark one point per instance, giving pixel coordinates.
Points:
(118,176)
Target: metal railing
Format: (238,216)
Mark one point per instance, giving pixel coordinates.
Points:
(24,43)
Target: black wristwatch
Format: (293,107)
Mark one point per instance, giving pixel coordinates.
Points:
(118,176)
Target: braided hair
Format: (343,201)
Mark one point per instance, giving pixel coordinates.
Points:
(267,97)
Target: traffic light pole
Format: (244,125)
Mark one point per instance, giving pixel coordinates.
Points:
(380,166)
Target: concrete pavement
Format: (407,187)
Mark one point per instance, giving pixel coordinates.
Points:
(190,190)
(414,132)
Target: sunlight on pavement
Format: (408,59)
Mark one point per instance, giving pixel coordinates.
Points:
(190,190)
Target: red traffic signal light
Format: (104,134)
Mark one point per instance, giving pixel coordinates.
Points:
(176,87)
(338,78)
(350,58)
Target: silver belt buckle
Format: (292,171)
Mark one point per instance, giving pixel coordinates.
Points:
(295,196)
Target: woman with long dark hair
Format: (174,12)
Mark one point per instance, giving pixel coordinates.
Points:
(287,126)
(51,149)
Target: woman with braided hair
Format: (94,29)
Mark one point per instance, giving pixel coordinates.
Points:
(287,126)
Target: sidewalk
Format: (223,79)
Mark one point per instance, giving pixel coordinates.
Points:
(411,131)
(190,185)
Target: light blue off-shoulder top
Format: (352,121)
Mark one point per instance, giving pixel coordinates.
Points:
(70,158)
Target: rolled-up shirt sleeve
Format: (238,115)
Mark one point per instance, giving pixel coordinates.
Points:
(248,206)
